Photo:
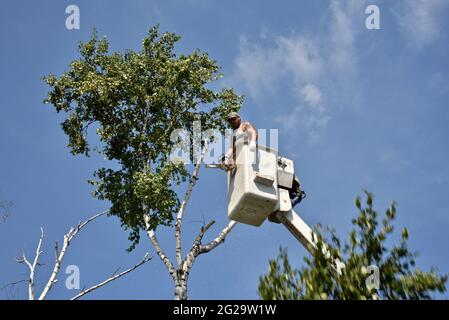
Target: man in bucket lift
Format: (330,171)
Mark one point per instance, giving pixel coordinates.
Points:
(242,128)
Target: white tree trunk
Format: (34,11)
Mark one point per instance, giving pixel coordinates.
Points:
(180,274)
(181,286)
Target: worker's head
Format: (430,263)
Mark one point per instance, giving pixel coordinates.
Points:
(234,120)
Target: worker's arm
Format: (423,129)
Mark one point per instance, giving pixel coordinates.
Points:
(229,155)
(251,130)
(248,127)
(228,158)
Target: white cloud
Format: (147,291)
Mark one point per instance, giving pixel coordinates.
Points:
(300,56)
(312,95)
(257,67)
(439,83)
(297,58)
(395,161)
(342,36)
(289,120)
(346,22)
(314,125)
(309,114)
(311,62)
(420,20)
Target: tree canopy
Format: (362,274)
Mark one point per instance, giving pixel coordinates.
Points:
(364,252)
(134,101)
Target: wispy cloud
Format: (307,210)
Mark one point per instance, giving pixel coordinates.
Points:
(313,116)
(257,67)
(439,83)
(421,20)
(342,36)
(394,160)
(300,55)
(312,96)
(311,62)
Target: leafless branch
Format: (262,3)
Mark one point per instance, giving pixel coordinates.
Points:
(59,257)
(183,206)
(218,240)
(145,259)
(194,251)
(180,275)
(14,283)
(9,289)
(56,250)
(152,236)
(32,266)
(198,248)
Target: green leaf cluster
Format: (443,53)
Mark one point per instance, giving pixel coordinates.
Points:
(366,246)
(133,101)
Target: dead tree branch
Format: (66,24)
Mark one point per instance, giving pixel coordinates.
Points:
(152,236)
(180,275)
(183,206)
(145,259)
(32,266)
(198,248)
(59,257)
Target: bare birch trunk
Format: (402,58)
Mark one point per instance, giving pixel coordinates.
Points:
(180,275)
(180,286)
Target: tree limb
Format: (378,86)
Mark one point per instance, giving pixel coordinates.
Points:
(218,240)
(32,266)
(198,248)
(152,236)
(145,259)
(10,287)
(180,275)
(146,217)
(183,206)
(66,243)
(194,251)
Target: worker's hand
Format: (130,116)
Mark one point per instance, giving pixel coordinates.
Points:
(230,167)
(224,159)
(252,146)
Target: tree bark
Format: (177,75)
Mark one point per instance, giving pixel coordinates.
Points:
(180,275)
(180,286)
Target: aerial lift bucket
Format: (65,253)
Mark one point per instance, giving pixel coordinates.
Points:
(261,186)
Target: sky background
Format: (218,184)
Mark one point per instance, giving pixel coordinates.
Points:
(356,109)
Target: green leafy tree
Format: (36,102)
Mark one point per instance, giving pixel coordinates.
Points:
(392,274)
(134,101)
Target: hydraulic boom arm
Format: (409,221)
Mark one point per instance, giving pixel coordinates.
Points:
(303,233)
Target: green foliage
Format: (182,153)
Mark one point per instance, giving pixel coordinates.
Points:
(135,100)
(365,247)
(281,282)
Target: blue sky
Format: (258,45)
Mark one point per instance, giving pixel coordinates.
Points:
(355,108)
